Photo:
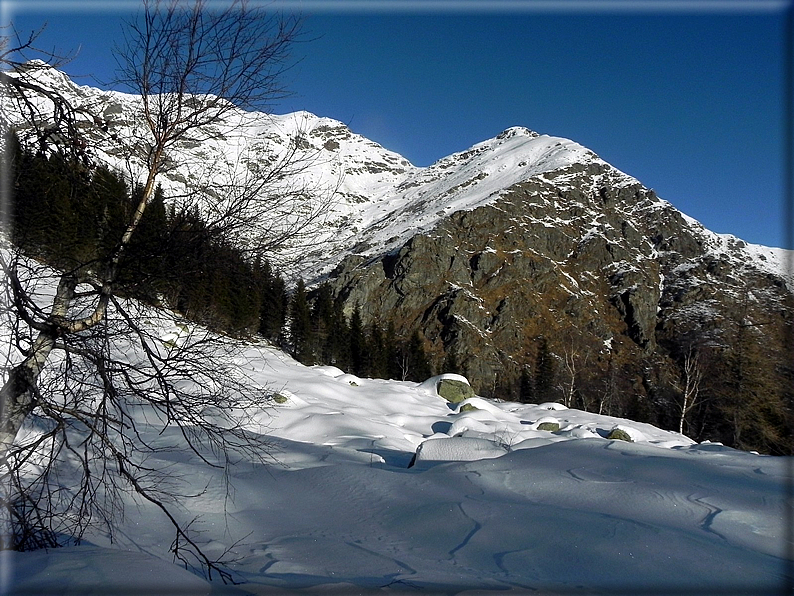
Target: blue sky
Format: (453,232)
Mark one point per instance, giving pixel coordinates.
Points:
(685,96)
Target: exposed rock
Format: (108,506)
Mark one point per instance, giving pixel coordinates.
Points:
(454,391)
(279,398)
(619,435)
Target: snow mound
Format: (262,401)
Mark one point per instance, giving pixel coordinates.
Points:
(431,384)
(457,449)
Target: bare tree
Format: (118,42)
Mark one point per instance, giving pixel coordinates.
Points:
(689,385)
(609,394)
(79,369)
(572,358)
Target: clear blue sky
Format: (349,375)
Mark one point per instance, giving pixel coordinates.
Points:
(685,96)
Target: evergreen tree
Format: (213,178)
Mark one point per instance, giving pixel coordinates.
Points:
(378,354)
(752,398)
(144,266)
(450,362)
(339,338)
(44,223)
(419,367)
(526,390)
(300,325)
(393,352)
(358,344)
(273,303)
(10,159)
(102,213)
(544,371)
(322,316)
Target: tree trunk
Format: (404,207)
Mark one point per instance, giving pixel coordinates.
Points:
(18,395)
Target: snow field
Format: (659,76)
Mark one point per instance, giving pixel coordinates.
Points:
(490,504)
(383,486)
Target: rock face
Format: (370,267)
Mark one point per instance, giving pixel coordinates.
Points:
(608,264)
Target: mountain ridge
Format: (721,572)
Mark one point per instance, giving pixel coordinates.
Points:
(373,186)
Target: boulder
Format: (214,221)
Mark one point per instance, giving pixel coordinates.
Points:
(454,391)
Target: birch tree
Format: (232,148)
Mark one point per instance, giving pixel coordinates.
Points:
(689,385)
(191,66)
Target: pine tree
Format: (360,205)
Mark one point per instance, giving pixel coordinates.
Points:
(44,223)
(752,400)
(144,265)
(339,338)
(11,160)
(358,344)
(419,367)
(544,371)
(450,362)
(274,303)
(526,390)
(393,352)
(322,315)
(104,210)
(378,355)
(300,325)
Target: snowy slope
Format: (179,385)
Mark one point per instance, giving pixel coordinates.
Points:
(383,486)
(491,503)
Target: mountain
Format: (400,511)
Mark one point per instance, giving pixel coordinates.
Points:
(541,271)
(574,258)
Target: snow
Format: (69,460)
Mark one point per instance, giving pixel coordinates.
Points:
(95,571)
(378,199)
(489,504)
(457,449)
(778,261)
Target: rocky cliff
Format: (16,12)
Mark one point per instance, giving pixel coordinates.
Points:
(585,266)
(565,249)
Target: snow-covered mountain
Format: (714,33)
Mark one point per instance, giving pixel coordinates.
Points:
(380,199)
(522,240)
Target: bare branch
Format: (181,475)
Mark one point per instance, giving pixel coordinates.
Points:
(89,361)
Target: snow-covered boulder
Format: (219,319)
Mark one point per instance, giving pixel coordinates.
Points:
(457,449)
(454,388)
(625,432)
(618,434)
(549,424)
